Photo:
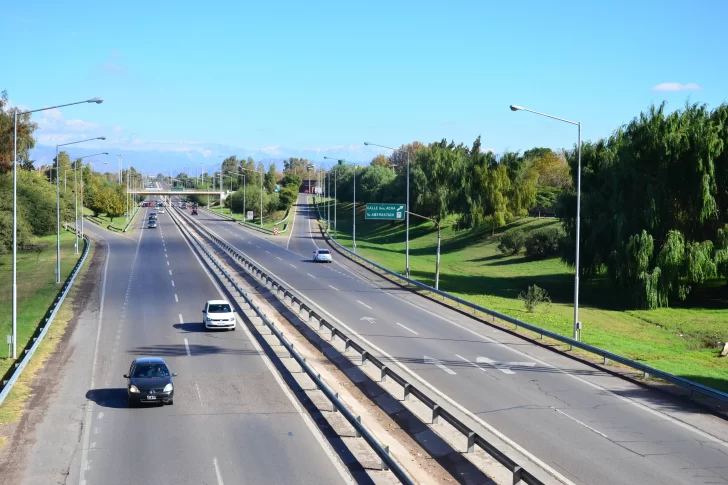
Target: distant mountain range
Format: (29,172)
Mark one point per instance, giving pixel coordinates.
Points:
(190,158)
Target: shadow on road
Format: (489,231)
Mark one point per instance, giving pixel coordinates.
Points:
(173,350)
(195,327)
(108,398)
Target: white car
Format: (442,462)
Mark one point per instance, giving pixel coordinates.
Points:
(322,255)
(161,210)
(219,314)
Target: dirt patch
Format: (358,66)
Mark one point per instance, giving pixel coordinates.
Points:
(28,402)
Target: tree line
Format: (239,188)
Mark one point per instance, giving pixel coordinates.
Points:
(654,209)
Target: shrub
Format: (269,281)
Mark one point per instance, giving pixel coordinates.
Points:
(544,243)
(512,242)
(534,297)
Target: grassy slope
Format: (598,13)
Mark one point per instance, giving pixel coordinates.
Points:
(678,340)
(36,288)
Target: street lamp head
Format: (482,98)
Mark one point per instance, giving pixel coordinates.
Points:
(96,100)
(366,143)
(515,107)
(105,153)
(101,138)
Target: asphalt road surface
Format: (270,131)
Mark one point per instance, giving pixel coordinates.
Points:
(233,420)
(588,426)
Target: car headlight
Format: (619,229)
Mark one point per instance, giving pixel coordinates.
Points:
(168,388)
(133,388)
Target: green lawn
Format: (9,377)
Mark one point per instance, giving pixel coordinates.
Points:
(681,340)
(268,219)
(104,220)
(36,288)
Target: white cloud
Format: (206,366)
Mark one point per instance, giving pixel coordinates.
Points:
(675,87)
(113,68)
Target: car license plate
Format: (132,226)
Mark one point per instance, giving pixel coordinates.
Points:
(152,398)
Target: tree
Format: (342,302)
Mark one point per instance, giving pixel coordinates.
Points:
(552,169)
(651,203)
(230,166)
(399,157)
(115,202)
(298,166)
(270,178)
(380,161)
(26,142)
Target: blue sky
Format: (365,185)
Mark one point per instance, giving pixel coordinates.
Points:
(204,78)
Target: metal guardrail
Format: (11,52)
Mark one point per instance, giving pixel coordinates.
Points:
(288,214)
(248,224)
(42,329)
(692,386)
(437,411)
(388,461)
(128,224)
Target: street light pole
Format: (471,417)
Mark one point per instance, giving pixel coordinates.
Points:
(58,208)
(407,214)
(15,212)
(577,324)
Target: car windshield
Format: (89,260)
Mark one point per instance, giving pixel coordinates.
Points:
(151,370)
(219,308)
(323,251)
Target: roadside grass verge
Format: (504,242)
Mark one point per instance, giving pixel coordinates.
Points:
(35,295)
(104,220)
(682,340)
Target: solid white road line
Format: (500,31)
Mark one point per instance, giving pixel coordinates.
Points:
(175,298)
(583,424)
(187,348)
(180,319)
(364,304)
(407,328)
(471,363)
(430,360)
(333,288)
(217,472)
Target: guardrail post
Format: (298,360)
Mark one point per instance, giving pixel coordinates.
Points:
(406,392)
(364,357)
(384,464)
(606,361)
(356,430)
(471,442)
(435,414)
(336,395)
(347,344)
(517,474)
(383,374)
(646,375)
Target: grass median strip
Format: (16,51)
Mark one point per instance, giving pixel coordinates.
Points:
(268,220)
(29,306)
(683,340)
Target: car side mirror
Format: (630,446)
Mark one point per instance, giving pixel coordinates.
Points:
(126,376)
(174,374)
(204,311)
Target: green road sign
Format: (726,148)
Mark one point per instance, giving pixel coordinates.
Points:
(178,188)
(386,212)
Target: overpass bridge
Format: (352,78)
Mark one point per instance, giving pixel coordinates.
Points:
(217,193)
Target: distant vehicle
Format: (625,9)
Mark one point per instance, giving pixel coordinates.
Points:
(322,255)
(153,216)
(184,206)
(149,381)
(161,210)
(160,203)
(218,314)
(194,212)
(153,224)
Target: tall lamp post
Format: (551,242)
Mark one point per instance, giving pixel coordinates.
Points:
(261,193)
(406,244)
(577,323)
(231,202)
(15,209)
(353,231)
(76,194)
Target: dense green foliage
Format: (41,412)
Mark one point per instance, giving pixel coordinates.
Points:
(512,242)
(655,204)
(544,243)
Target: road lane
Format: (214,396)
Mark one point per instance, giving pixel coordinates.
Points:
(552,411)
(230,418)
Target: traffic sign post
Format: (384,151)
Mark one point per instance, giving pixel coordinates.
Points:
(386,212)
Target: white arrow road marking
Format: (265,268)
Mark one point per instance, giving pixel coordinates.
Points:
(438,363)
(369,319)
(504,367)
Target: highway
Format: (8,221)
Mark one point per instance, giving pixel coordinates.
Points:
(233,421)
(588,426)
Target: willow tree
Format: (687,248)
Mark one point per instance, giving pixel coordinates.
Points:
(651,203)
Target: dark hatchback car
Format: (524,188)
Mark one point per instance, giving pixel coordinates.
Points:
(153,224)
(149,381)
